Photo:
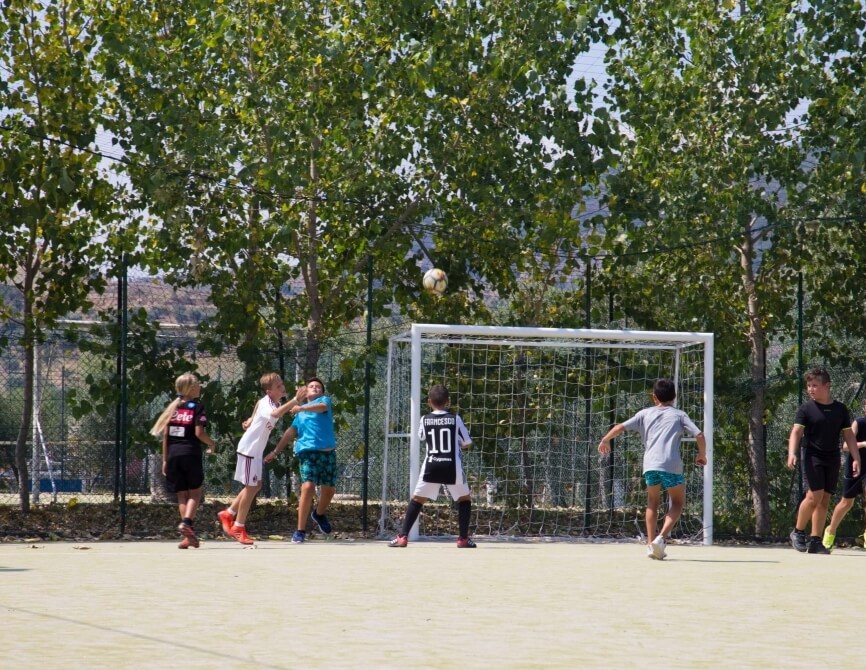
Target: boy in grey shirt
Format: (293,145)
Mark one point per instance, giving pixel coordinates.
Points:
(661,429)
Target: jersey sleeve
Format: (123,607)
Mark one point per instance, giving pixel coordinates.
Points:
(635,422)
(846,419)
(462,433)
(690,426)
(201,416)
(800,417)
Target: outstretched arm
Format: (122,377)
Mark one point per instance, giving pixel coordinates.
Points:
(287,406)
(288,437)
(604,445)
(317,407)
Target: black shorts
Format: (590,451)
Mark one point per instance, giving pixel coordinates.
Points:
(184,473)
(821,470)
(852,486)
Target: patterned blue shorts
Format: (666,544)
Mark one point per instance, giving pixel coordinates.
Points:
(319,467)
(667,479)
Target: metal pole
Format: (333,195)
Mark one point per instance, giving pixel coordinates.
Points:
(118,370)
(415,419)
(124,388)
(367,377)
(34,430)
(587,411)
(709,432)
(800,367)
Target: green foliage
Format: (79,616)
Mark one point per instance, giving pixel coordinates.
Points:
(57,202)
(708,203)
(280,147)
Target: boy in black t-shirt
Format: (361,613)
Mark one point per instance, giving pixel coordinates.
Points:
(821,420)
(852,485)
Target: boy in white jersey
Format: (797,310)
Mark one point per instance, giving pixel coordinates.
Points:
(250,451)
(661,429)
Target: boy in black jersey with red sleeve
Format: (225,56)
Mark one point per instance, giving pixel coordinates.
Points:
(182,427)
(445,436)
(821,420)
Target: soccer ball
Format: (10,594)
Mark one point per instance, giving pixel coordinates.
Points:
(435,281)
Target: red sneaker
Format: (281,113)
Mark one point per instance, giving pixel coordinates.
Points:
(240,534)
(188,542)
(465,543)
(189,538)
(185,530)
(399,541)
(227,521)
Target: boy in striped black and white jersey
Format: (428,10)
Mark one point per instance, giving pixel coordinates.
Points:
(445,437)
(251,449)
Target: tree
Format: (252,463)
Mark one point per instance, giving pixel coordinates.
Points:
(54,198)
(704,201)
(834,138)
(281,147)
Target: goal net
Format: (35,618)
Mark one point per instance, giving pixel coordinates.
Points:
(537,401)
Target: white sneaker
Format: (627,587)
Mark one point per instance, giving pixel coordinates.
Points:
(649,552)
(658,547)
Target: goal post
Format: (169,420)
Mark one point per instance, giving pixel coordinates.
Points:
(537,402)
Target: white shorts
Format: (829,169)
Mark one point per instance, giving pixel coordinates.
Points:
(431,491)
(249,470)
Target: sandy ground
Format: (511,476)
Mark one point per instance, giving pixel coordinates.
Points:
(334,604)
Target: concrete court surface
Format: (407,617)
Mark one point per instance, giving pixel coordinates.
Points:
(344,604)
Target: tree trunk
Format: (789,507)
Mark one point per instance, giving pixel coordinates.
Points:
(21,444)
(756,445)
(159,492)
(758,463)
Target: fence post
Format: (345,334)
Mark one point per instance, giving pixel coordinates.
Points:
(123,405)
(800,371)
(365,473)
(34,429)
(587,409)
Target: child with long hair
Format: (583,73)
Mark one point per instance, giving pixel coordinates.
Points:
(182,426)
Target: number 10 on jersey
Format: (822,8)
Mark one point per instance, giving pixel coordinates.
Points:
(439,441)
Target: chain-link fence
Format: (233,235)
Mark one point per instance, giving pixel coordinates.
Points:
(75,448)
(99,383)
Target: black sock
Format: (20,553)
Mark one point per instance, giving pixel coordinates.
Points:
(413,510)
(187,521)
(464,510)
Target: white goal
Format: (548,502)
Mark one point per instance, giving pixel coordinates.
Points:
(537,401)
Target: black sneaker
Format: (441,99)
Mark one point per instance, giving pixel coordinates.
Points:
(816,546)
(798,540)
